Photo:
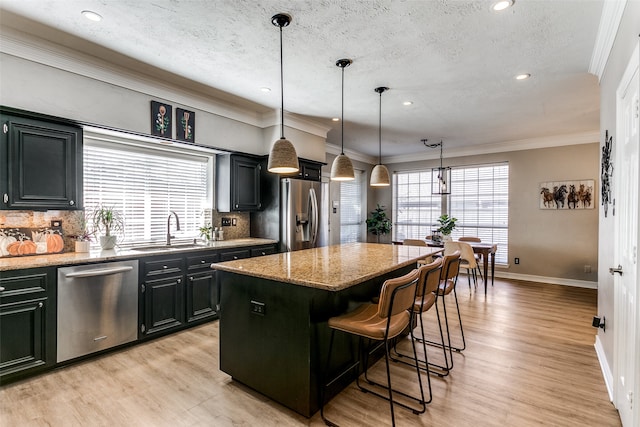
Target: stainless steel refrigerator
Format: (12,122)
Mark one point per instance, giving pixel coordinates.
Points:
(304,210)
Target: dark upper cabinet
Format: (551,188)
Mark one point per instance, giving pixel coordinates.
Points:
(41,164)
(309,170)
(27,322)
(238,183)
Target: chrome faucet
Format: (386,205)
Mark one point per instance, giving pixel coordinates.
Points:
(169,236)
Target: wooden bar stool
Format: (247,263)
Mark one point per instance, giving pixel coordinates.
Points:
(379,323)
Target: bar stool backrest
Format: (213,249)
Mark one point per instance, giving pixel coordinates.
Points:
(414,242)
(450,266)
(398,294)
(429,277)
(469,239)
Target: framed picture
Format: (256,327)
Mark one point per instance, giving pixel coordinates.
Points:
(161,119)
(563,195)
(185,125)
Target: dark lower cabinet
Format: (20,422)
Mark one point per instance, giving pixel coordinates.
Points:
(27,322)
(163,304)
(202,296)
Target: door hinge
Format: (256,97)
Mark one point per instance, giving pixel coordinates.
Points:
(142,288)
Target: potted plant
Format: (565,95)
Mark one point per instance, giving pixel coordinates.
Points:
(84,236)
(447,224)
(206,232)
(378,223)
(108,220)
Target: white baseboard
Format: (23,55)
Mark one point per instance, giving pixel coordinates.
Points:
(606,371)
(551,280)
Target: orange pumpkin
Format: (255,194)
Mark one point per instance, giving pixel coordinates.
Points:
(22,247)
(54,243)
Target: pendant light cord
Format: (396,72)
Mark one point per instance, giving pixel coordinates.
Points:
(380,132)
(342,119)
(281,89)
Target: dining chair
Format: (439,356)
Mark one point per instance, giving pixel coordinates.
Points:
(426,298)
(477,256)
(467,259)
(379,323)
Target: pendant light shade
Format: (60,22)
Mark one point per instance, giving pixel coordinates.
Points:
(380,173)
(282,157)
(342,169)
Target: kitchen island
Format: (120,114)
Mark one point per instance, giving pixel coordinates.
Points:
(274,310)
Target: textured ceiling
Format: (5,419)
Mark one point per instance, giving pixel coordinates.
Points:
(455,60)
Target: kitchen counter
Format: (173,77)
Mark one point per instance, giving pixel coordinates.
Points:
(274,311)
(68,258)
(332,268)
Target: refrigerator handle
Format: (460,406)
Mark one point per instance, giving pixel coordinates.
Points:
(313,216)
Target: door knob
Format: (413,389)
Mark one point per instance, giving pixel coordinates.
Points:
(613,270)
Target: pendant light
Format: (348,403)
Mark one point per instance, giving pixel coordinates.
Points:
(440,177)
(380,173)
(282,157)
(342,169)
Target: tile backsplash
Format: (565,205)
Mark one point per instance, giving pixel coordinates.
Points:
(71,221)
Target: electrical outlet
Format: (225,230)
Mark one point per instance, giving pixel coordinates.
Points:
(258,308)
(226,222)
(587,269)
(234,221)
(56,223)
(516,260)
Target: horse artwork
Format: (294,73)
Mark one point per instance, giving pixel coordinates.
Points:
(566,195)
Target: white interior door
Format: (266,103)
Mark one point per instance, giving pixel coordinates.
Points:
(626,368)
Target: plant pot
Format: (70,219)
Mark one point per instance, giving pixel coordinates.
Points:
(446,238)
(108,242)
(83,246)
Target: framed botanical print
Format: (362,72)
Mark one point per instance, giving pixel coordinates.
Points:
(185,125)
(161,119)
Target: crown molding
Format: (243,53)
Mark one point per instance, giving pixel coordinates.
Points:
(500,147)
(609,22)
(22,45)
(272,118)
(353,155)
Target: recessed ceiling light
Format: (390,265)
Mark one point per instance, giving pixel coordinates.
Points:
(407,103)
(265,89)
(92,16)
(335,119)
(523,76)
(502,5)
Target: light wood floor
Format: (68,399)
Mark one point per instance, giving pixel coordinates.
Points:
(529,361)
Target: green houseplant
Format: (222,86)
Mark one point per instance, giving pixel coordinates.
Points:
(109,222)
(447,224)
(378,223)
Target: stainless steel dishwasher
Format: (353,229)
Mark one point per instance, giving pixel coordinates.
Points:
(97,307)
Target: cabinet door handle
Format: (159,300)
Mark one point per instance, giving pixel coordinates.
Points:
(202,261)
(40,305)
(71,203)
(5,198)
(236,206)
(235,257)
(165,267)
(179,281)
(191,279)
(1,288)
(263,253)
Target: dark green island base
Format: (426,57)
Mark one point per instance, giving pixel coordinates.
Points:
(273,333)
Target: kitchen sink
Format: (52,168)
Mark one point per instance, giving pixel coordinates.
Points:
(176,246)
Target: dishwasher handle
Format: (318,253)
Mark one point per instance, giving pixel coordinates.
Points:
(100,272)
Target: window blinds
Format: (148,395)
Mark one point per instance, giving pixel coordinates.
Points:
(351,222)
(145,184)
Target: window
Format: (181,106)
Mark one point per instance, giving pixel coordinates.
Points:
(145,181)
(415,210)
(351,222)
(479,200)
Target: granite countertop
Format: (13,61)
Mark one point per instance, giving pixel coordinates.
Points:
(67,258)
(331,267)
